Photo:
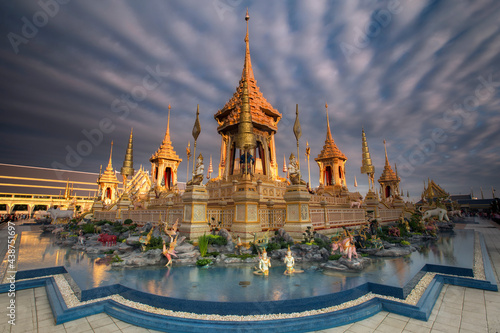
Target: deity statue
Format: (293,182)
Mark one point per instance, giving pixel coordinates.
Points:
(249,163)
(264,264)
(290,263)
(198,172)
(294,171)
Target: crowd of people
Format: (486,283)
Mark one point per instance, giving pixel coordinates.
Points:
(12,217)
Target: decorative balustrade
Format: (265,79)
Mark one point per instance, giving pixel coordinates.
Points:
(272,218)
(389,215)
(221,215)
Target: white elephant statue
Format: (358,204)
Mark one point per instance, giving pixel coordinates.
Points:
(439,212)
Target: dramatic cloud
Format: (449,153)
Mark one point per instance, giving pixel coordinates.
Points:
(425,76)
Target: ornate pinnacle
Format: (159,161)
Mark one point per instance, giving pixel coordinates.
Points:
(367,166)
(128,163)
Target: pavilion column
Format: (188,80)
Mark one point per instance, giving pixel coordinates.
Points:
(246,202)
(194,223)
(297,211)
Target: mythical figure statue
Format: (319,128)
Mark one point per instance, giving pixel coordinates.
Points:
(145,240)
(172,231)
(439,212)
(198,172)
(345,245)
(264,264)
(170,251)
(294,171)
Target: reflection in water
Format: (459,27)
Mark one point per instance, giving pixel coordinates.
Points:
(223,283)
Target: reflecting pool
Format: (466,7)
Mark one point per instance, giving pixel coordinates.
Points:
(237,283)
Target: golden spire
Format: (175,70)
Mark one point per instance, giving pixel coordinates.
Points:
(330,149)
(109,175)
(128,163)
(247,68)
(168,123)
(166,150)
(246,139)
(328,131)
(263,113)
(367,166)
(386,158)
(388,174)
(110,165)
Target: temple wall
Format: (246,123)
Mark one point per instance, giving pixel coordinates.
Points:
(326,213)
(389,215)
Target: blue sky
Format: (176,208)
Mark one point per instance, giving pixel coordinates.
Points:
(423,75)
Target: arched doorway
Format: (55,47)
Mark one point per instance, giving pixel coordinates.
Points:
(328,176)
(167,177)
(108,192)
(387,191)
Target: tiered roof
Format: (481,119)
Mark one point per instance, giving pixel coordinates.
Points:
(388,175)
(109,175)
(330,149)
(166,150)
(264,116)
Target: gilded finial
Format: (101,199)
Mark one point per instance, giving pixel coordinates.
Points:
(386,158)
(128,163)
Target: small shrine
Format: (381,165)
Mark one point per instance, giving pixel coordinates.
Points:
(331,162)
(108,183)
(164,164)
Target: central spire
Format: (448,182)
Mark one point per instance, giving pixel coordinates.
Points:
(247,68)
(245,139)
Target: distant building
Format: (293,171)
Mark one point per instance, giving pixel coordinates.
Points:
(26,189)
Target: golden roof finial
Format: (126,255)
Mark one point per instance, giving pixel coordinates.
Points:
(386,158)
(128,163)
(367,166)
(328,131)
(245,139)
(110,155)
(247,68)
(168,121)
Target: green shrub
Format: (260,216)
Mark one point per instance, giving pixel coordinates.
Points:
(241,256)
(405,243)
(128,221)
(101,222)
(132,227)
(321,243)
(155,243)
(216,240)
(212,254)
(116,258)
(273,246)
(88,228)
(203,262)
(365,255)
(335,257)
(109,252)
(203,244)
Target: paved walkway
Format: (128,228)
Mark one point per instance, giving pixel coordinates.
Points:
(457,309)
